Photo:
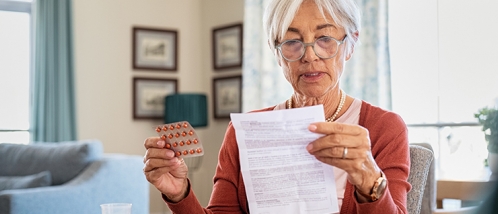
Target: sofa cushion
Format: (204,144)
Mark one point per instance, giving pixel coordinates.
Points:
(64,160)
(41,179)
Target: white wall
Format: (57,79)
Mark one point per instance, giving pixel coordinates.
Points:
(214,13)
(102,39)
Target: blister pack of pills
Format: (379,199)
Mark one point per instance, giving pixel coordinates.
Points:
(181,138)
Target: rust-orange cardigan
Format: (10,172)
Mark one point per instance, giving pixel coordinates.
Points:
(389,140)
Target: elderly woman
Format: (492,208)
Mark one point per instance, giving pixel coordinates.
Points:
(366,145)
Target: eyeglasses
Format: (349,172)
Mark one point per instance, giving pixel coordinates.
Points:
(324,47)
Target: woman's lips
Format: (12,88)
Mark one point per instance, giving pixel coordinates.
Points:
(312,76)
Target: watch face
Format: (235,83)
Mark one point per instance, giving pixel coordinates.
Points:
(379,187)
(382,187)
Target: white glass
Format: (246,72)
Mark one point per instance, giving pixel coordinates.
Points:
(116,208)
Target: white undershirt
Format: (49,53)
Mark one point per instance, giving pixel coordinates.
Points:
(351,116)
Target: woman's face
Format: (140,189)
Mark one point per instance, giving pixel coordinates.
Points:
(312,76)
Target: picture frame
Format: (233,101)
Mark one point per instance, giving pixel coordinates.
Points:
(227,96)
(149,95)
(227,46)
(155,49)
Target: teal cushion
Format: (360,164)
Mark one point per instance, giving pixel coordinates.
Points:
(41,179)
(64,160)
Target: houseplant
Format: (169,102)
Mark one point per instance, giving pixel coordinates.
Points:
(488,118)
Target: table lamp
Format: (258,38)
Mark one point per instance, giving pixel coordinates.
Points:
(186,107)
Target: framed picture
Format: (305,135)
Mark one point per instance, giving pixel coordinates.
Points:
(227,47)
(148,96)
(155,49)
(227,96)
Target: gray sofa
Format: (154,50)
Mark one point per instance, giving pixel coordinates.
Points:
(69,177)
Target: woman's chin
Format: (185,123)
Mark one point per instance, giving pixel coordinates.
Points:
(310,93)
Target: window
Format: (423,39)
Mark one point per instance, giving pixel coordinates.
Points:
(444,60)
(15,63)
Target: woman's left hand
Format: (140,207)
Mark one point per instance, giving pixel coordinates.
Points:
(357,160)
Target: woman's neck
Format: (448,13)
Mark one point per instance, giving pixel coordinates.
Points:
(330,101)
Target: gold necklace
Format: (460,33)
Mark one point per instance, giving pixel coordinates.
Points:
(330,119)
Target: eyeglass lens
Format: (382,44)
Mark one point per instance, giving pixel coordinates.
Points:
(324,47)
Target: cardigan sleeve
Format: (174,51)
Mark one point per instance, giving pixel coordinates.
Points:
(226,189)
(189,204)
(228,194)
(390,148)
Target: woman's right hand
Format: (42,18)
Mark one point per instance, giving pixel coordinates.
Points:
(165,171)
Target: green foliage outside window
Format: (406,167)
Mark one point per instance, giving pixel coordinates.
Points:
(488,118)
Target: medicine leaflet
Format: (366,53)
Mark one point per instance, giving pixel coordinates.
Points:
(280,176)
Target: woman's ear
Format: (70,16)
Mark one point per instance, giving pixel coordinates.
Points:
(355,36)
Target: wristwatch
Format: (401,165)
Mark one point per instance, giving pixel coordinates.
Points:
(378,189)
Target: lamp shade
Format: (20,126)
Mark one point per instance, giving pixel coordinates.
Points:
(186,107)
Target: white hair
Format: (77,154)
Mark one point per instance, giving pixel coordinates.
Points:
(280,13)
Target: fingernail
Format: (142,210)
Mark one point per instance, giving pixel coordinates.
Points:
(160,143)
(309,147)
(312,127)
(170,153)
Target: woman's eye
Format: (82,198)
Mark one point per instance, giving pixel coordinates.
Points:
(291,42)
(325,39)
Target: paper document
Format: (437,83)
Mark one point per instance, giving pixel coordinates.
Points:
(280,176)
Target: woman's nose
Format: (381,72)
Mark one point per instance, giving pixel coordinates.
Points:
(309,54)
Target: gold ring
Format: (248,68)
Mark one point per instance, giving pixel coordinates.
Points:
(344,152)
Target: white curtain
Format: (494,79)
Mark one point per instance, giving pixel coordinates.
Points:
(367,74)
(264,84)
